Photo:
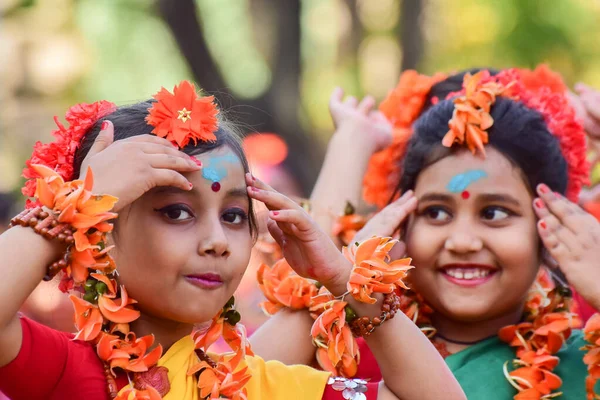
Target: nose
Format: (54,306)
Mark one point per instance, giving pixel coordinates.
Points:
(463,239)
(213,241)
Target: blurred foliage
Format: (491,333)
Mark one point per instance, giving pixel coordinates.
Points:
(58,52)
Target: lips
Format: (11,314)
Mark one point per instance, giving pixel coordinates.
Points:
(208,281)
(468,274)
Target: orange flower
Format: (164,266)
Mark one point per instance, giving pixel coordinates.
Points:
(130,354)
(134,394)
(234,336)
(182,116)
(226,380)
(372,273)
(337,348)
(471,117)
(283,287)
(88,319)
(347,226)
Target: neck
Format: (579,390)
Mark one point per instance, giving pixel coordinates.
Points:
(166,332)
(458,335)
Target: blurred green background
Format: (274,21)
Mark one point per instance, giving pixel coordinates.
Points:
(271,63)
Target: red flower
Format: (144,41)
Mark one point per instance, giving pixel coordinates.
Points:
(182,115)
(60,154)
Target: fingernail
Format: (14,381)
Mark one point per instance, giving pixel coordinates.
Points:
(104,125)
(190,185)
(539,204)
(275,213)
(544,189)
(198,162)
(543,225)
(557,195)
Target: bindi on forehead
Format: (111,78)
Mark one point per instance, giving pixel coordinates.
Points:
(460,182)
(216,169)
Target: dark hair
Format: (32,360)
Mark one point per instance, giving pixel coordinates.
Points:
(518,132)
(130,121)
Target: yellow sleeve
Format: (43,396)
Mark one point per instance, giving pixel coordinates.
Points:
(272,380)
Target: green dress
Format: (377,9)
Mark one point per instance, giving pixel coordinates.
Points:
(478,369)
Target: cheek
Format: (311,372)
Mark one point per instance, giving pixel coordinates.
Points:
(423,242)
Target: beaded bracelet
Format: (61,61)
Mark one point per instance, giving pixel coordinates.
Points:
(364,326)
(45,224)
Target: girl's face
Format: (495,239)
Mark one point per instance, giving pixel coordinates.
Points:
(180,254)
(473,238)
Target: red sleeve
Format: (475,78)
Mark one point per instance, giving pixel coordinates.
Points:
(341,388)
(50,365)
(368,368)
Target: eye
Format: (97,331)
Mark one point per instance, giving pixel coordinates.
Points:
(235,216)
(495,213)
(176,212)
(437,214)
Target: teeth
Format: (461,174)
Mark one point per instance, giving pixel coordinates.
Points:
(467,273)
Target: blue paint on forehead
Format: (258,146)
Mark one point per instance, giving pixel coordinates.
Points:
(461,182)
(216,169)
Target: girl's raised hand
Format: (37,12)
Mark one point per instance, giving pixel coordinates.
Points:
(361,119)
(308,250)
(572,237)
(387,221)
(129,168)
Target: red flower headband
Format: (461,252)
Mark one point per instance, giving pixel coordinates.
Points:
(180,116)
(541,90)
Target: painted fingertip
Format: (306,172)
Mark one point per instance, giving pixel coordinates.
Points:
(104,126)
(557,195)
(543,188)
(196,161)
(274,213)
(542,224)
(190,186)
(539,204)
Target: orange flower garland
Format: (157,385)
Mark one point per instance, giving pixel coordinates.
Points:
(337,349)
(226,377)
(592,358)
(547,326)
(402,107)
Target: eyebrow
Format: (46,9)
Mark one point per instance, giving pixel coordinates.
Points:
(235,192)
(486,197)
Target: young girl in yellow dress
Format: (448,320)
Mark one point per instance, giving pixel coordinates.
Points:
(152,241)
(480,180)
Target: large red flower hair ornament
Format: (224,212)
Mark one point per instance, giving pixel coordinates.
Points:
(182,116)
(59,155)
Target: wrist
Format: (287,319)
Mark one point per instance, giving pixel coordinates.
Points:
(354,136)
(338,283)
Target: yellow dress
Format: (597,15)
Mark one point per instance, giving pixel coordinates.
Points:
(271,380)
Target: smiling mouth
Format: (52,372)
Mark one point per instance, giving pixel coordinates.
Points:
(205,281)
(468,275)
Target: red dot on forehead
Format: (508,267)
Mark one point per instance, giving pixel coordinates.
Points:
(216,186)
(465,195)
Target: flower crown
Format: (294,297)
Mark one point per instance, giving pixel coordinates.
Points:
(181,117)
(541,89)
